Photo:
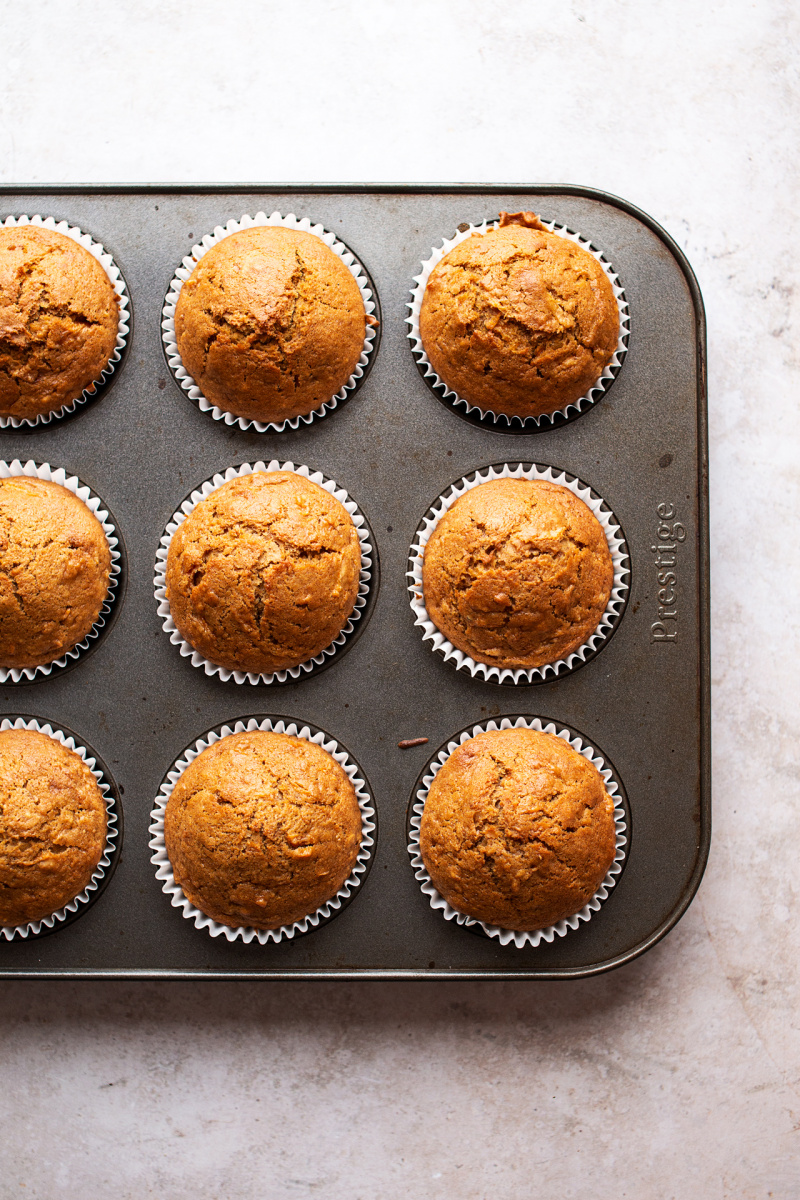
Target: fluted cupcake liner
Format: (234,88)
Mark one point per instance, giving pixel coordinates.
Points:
(609,620)
(246,933)
(123,326)
(47,924)
(365,579)
(290,221)
(508,937)
(93,502)
(546,420)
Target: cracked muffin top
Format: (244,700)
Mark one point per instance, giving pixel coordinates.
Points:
(263,574)
(59,315)
(261,829)
(519,320)
(517,573)
(270,324)
(52,826)
(55,564)
(518,829)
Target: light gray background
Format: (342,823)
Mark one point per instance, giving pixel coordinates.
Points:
(674,1077)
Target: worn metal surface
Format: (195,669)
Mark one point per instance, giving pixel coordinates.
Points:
(144,444)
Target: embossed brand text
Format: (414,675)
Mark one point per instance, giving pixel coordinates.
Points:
(669,535)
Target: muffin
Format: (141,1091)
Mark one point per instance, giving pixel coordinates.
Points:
(518,829)
(270,324)
(55,564)
(517,573)
(519,320)
(52,826)
(261,829)
(263,574)
(59,315)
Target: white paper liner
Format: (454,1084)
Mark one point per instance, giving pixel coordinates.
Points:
(583,402)
(58,475)
(616,601)
(188,506)
(246,933)
(290,221)
(9,932)
(123,326)
(508,937)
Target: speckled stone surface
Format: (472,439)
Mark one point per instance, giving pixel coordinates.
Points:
(678,1076)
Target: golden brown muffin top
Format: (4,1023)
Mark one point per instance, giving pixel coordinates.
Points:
(270,324)
(517,573)
(52,826)
(263,574)
(518,320)
(261,829)
(59,316)
(55,564)
(518,829)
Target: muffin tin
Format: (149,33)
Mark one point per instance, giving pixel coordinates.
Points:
(643,699)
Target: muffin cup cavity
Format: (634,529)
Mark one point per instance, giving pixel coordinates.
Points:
(487,417)
(290,221)
(609,620)
(325,911)
(93,502)
(123,325)
(509,937)
(105,867)
(366,579)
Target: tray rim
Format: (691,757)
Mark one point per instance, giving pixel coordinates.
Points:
(704,633)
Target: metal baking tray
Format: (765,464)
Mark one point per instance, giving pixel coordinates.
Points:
(643,700)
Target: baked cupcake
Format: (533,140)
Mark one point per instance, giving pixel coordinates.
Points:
(517,573)
(261,829)
(518,829)
(519,321)
(52,826)
(270,324)
(55,564)
(263,574)
(59,316)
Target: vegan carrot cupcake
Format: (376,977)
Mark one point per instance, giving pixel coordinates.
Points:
(55,566)
(59,319)
(519,321)
(517,573)
(264,572)
(261,829)
(53,823)
(518,829)
(271,323)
